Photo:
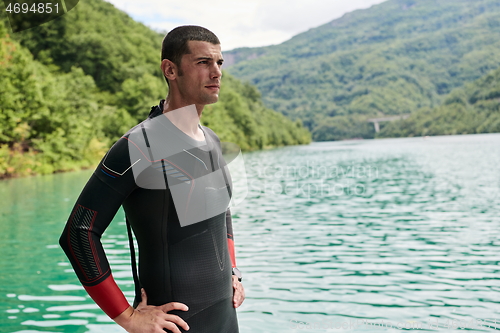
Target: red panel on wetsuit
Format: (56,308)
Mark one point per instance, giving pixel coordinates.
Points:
(230,245)
(109,297)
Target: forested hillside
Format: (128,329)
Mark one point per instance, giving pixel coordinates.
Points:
(472,109)
(71,87)
(393,58)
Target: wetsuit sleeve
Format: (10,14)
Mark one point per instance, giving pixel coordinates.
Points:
(96,206)
(230,238)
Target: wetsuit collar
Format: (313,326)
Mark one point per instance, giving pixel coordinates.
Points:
(156,110)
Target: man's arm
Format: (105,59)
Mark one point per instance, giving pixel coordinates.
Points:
(230,237)
(81,241)
(96,206)
(238,290)
(98,203)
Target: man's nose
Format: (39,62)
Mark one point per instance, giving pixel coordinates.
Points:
(216,72)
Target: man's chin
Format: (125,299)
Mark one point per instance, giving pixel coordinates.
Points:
(212,99)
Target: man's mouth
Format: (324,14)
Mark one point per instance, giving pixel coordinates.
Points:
(213,86)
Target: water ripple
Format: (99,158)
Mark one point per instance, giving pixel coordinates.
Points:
(358,236)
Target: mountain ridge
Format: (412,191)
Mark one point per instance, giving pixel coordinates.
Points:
(392,58)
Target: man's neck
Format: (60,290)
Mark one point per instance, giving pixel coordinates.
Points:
(186,118)
(170,105)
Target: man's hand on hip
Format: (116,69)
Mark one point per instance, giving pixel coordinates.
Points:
(152,319)
(238,292)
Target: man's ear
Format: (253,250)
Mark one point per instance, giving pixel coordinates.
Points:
(169,69)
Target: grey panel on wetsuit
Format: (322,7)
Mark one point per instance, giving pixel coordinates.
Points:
(190,263)
(167,156)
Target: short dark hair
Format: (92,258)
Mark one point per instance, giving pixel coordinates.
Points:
(175,43)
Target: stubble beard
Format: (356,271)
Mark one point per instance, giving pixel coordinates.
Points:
(209,98)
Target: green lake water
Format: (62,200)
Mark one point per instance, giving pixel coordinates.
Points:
(369,235)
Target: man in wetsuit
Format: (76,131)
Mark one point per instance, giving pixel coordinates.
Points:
(187,266)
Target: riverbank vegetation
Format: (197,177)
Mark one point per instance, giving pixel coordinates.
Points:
(71,87)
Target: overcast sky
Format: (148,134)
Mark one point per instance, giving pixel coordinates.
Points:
(240,23)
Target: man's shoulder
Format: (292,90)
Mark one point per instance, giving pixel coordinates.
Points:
(121,148)
(136,128)
(127,150)
(155,111)
(210,132)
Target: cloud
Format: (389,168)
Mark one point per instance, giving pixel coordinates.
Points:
(241,23)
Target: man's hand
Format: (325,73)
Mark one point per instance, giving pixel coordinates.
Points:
(238,292)
(152,319)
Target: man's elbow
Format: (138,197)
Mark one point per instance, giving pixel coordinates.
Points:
(64,241)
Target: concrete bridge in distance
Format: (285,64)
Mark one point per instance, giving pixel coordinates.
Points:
(376,121)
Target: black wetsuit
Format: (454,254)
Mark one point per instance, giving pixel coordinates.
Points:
(189,264)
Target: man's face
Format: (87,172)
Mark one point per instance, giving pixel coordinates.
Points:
(201,73)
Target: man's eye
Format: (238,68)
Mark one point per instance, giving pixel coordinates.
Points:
(203,62)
